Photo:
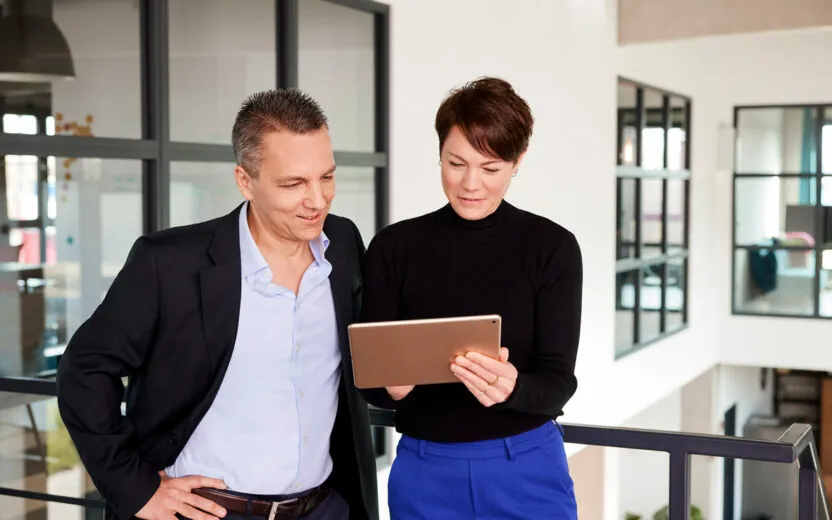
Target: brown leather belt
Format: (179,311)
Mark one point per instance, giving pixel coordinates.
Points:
(289,509)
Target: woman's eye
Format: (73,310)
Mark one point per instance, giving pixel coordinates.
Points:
(490,170)
(454,164)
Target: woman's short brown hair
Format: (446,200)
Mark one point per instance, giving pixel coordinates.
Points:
(495,120)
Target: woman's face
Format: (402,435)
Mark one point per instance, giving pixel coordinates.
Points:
(474,183)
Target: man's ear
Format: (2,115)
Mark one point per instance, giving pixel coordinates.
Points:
(243,180)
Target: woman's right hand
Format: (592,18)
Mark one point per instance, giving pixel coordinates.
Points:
(399,392)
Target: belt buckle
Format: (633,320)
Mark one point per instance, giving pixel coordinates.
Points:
(275,505)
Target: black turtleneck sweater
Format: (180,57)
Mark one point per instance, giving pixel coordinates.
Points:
(513,263)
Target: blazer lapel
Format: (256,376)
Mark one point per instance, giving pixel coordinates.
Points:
(220,285)
(339,281)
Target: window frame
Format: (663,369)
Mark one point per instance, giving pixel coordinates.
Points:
(637,263)
(822,113)
(157,151)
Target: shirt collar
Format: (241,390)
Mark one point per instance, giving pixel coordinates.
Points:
(252,261)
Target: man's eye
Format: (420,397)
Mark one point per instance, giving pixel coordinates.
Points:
(293,185)
(490,170)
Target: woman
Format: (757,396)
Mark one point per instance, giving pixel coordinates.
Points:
(486,448)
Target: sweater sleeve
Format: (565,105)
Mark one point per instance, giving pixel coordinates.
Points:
(381,301)
(546,388)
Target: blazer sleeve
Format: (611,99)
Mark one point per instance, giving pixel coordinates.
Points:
(552,382)
(112,344)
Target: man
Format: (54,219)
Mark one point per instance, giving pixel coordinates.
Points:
(233,336)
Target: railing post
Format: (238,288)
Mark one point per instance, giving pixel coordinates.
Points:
(807,493)
(679,505)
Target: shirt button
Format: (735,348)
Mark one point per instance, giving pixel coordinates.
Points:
(300,393)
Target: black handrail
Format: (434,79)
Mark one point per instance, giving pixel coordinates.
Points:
(797,444)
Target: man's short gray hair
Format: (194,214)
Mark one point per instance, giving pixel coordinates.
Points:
(268,111)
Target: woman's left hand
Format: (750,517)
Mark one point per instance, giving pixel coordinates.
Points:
(490,380)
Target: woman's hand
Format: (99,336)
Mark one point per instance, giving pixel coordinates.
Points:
(490,380)
(399,392)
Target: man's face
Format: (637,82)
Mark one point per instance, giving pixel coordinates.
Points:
(295,185)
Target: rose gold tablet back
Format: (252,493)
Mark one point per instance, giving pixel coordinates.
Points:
(418,352)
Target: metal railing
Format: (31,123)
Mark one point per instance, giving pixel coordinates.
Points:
(797,444)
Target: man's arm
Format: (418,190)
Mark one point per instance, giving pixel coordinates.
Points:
(112,344)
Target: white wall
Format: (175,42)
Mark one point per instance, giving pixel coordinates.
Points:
(644,481)
(720,73)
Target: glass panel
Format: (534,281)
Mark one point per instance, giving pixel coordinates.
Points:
(650,304)
(677,136)
(676,214)
(220,53)
(652,135)
(651,218)
(103,98)
(201,191)
(626,218)
(774,281)
(674,295)
(98,215)
(826,282)
(776,140)
(627,135)
(624,310)
(39,456)
(775,209)
(337,67)
(12,508)
(355,197)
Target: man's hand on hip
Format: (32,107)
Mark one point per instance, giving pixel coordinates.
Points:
(174,496)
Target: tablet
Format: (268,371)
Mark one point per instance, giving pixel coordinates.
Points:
(418,352)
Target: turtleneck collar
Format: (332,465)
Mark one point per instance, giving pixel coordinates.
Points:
(448,215)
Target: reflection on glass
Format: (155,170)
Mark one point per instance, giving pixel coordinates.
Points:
(220,53)
(825,282)
(776,140)
(676,214)
(625,310)
(651,217)
(652,135)
(774,281)
(627,124)
(355,198)
(677,135)
(650,303)
(39,456)
(104,97)
(674,295)
(336,65)
(52,277)
(201,191)
(775,209)
(626,218)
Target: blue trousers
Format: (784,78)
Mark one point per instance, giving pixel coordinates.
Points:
(521,477)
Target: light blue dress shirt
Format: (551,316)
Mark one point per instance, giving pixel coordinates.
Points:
(267,431)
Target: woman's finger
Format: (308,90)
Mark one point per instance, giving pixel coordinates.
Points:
(482,397)
(494,366)
(465,375)
(489,376)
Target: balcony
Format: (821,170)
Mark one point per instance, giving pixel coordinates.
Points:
(796,446)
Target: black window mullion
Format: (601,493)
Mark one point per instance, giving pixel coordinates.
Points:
(287,14)
(820,221)
(155,113)
(381,43)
